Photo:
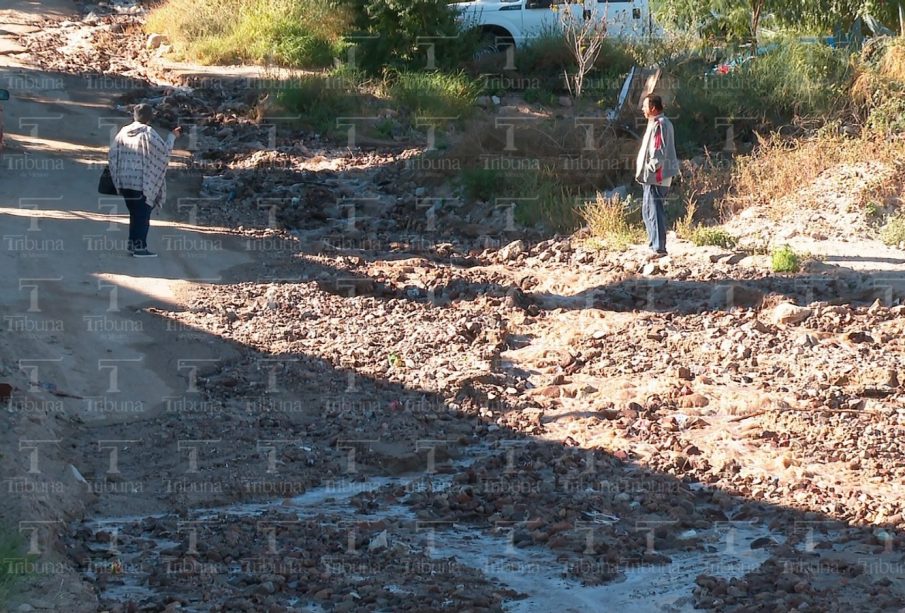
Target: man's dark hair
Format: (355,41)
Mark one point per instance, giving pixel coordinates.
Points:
(656,102)
(142,113)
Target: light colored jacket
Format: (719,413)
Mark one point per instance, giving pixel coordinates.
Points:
(138,160)
(657,162)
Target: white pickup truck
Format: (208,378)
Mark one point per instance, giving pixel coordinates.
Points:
(509,22)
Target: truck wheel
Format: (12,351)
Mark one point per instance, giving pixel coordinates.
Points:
(491,44)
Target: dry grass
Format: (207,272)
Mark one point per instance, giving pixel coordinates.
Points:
(892,63)
(893,233)
(611,222)
(780,168)
(703,189)
(878,91)
(684,226)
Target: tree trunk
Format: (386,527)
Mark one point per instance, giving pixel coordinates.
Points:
(757,7)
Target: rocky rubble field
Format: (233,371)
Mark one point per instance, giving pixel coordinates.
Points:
(407,380)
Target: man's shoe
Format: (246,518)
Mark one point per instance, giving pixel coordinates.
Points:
(143,253)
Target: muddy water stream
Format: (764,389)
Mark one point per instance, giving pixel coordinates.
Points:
(534,572)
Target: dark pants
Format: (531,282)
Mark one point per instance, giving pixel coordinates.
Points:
(653,210)
(139,218)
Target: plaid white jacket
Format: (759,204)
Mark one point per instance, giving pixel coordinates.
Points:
(138,160)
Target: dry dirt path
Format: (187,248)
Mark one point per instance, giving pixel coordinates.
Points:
(77,347)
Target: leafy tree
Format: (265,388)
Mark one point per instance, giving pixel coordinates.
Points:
(421,33)
(740,19)
(828,15)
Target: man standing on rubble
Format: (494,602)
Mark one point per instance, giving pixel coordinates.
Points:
(138,165)
(657,164)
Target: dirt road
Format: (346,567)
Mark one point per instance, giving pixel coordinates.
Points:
(78,347)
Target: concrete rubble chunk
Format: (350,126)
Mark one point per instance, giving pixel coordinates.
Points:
(788,314)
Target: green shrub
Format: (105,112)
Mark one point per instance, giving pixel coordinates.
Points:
(392,33)
(795,78)
(790,79)
(11,546)
(546,203)
(538,198)
(298,33)
(893,233)
(785,259)
(483,184)
(319,100)
(702,236)
(544,59)
(433,94)
(539,96)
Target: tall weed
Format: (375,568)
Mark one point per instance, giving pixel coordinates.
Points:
(297,33)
